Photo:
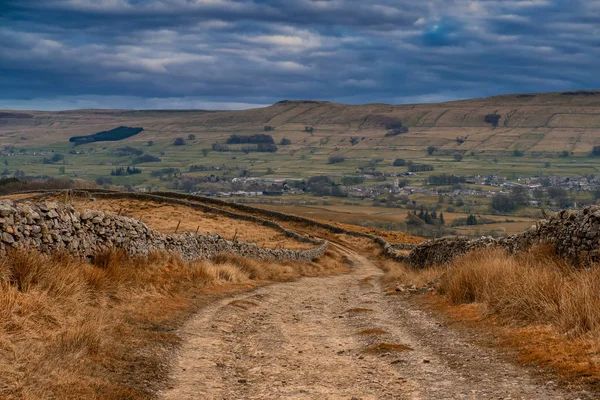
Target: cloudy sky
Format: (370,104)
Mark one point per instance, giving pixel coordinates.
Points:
(229,54)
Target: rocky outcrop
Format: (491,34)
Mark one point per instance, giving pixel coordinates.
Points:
(573,234)
(49,226)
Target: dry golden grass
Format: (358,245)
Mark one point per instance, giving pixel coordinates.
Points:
(534,302)
(532,287)
(165,218)
(71,330)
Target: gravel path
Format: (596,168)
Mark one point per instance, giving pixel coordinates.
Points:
(339,337)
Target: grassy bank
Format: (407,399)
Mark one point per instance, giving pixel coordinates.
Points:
(71,329)
(534,301)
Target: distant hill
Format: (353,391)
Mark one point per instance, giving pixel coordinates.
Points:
(553,133)
(531,121)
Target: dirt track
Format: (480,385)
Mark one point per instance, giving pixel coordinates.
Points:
(308,339)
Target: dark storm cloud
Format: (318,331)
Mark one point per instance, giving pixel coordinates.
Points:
(227,53)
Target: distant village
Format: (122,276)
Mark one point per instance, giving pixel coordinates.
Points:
(402,186)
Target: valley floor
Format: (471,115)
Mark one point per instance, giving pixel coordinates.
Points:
(341,337)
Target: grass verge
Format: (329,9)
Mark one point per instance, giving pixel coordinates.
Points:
(533,301)
(70,329)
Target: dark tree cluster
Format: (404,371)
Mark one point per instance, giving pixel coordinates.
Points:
(324,186)
(336,159)
(564,154)
(352,180)
(502,203)
(394,124)
(164,171)
(505,203)
(194,168)
(419,167)
(121,171)
(443,179)
(104,180)
(430,218)
(471,220)
(399,162)
(560,196)
(6,181)
(220,147)
(146,158)
(260,147)
(56,157)
(255,139)
(127,151)
(493,119)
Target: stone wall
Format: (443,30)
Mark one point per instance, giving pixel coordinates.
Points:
(246,212)
(199,206)
(573,234)
(49,226)
(389,250)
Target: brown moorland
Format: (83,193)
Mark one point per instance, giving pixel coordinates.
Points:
(532,122)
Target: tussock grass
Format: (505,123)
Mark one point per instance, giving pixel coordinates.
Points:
(533,287)
(534,301)
(70,329)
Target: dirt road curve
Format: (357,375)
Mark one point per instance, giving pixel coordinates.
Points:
(321,338)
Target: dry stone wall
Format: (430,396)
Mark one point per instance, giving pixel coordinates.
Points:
(49,226)
(246,213)
(573,234)
(389,250)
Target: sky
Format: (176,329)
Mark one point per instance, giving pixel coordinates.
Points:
(235,54)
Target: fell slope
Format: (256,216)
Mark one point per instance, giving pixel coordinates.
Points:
(535,121)
(538,125)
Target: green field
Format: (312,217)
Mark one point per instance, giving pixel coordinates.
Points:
(539,127)
(292,161)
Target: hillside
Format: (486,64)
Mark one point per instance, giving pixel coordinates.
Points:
(102,305)
(538,125)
